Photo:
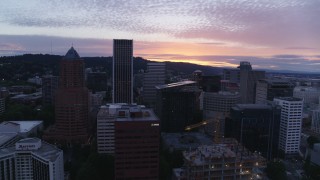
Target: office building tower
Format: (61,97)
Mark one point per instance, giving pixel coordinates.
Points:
(290,124)
(256,126)
(49,87)
(71,104)
(216,106)
(315,124)
(220,161)
(31,158)
(248,79)
(178,105)
(268,89)
(122,71)
(155,75)
(137,143)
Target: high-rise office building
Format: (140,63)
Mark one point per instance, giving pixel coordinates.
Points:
(256,126)
(122,71)
(31,158)
(178,105)
(248,79)
(290,124)
(49,87)
(155,75)
(137,143)
(268,89)
(72,101)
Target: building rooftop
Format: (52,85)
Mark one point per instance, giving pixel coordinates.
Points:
(6,136)
(72,54)
(289,98)
(277,82)
(26,126)
(185,141)
(128,112)
(177,84)
(204,155)
(251,106)
(46,150)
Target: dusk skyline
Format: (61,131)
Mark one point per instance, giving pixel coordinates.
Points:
(277,34)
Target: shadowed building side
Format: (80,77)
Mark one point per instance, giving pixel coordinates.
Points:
(72,102)
(122,71)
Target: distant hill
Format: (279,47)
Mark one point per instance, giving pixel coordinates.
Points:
(29,65)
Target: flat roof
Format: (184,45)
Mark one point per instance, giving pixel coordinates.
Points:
(147,115)
(181,83)
(251,106)
(26,126)
(289,98)
(6,136)
(186,140)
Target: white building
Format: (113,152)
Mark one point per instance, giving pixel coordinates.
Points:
(105,128)
(290,124)
(31,158)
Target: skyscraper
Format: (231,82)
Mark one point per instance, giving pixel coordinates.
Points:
(248,79)
(290,124)
(178,105)
(71,104)
(155,75)
(122,71)
(256,126)
(267,89)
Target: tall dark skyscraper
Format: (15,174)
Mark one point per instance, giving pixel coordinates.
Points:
(71,102)
(122,71)
(248,79)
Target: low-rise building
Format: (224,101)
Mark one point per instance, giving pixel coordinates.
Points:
(220,161)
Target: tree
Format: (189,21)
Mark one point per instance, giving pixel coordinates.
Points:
(312,140)
(276,170)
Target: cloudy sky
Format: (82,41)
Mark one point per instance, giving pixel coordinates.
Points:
(274,34)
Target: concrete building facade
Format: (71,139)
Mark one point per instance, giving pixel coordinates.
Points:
(290,124)
(72,102)
(31,158)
